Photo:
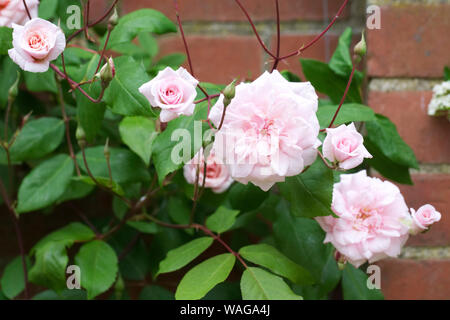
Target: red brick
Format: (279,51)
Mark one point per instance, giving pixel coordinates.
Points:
(428,136)
(97,9)
(413,42)
(220,10)
(219,60)
(435,190)
(403,279)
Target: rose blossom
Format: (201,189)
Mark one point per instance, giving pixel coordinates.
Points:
(172,91)
(269,131)
(36,44)
(13,11)
(424,217)
(217,175)
(345,145)
(373,219)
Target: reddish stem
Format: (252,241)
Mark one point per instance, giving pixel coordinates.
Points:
(186,48)
(277,60)
(26,9)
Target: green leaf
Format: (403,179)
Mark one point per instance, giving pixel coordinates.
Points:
(76,190)
(354,285)
(144,20)
(221,220)
(40,82)
(5,39)
(325,80)
(246,197)
(143,226)
(386,166)
(349,112)
(45,184)
(310,193)
(168,146)
(89,114)
(68,235)
(122,95)
(384,135)
(37,139)
(11,69)
(106,182)
(270,258)
(174,61)
(197,282)
(154,292)
(258,284)
(125,165)
(99,265)
(181,256)
(49,269)
(301,239)
(66,294)
(289,76)
(13,281)
(138,133)
(341,61)
(47,9)
(446,73)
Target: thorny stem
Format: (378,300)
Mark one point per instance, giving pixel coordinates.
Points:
(67,125)
(26,9)
(277,60)
(19,236)
(343,97)
(110,28)
(325,161)
(180,26)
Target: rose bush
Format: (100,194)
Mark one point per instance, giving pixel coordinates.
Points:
(261,167)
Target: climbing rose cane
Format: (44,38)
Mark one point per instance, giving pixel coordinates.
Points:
(13,11)
(172,91)
(344,145)
(269,131)
(373,219)
(36,44)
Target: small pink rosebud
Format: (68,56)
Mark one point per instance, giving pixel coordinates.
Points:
(423,218)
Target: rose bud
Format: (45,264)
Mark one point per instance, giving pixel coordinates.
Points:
(423,218)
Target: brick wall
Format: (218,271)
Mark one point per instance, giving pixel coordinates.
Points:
(405,59)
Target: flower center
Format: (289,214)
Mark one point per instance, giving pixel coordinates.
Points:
(3,4)
(265,130)
(37,41)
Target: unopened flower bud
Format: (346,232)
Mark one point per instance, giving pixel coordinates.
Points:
(114,19)
(14,89)
(229,92)
(81,136)
(360,49)
(107,72)
(340,259)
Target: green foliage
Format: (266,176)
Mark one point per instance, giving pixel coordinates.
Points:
(258,284)
(447,73)
(349,112)
(221,220)
(39,82)
(354,285)
(5,39)
(205,276)
(12,280)
(99,265)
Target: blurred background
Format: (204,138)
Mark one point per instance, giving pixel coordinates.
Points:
(406,58)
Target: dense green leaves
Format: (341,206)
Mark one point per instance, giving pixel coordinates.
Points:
(122,95)
(257,284)
(37,139)
(349,112)
(155,293)
(144,226)
(13,281)
(341,61)
(45,184)
(134,23)
(354,285)
(221,220)
(138,133)
(179,142)
(270,258)
(49,269)
(99,265)
(246,197)
(180,257)
(325,80)
(205,276)
(310,193)
(105,182)
(47,8)
(125,165)
(5,39)
(11,69)
(384,135)
(38,82)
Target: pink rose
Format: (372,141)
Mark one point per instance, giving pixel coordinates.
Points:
(270,130)
(36,44)
(13,11)
(424,217)
(344,145)
(372,222)
(217,176)
(172,91)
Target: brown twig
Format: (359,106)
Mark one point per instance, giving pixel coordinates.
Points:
(277,60)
